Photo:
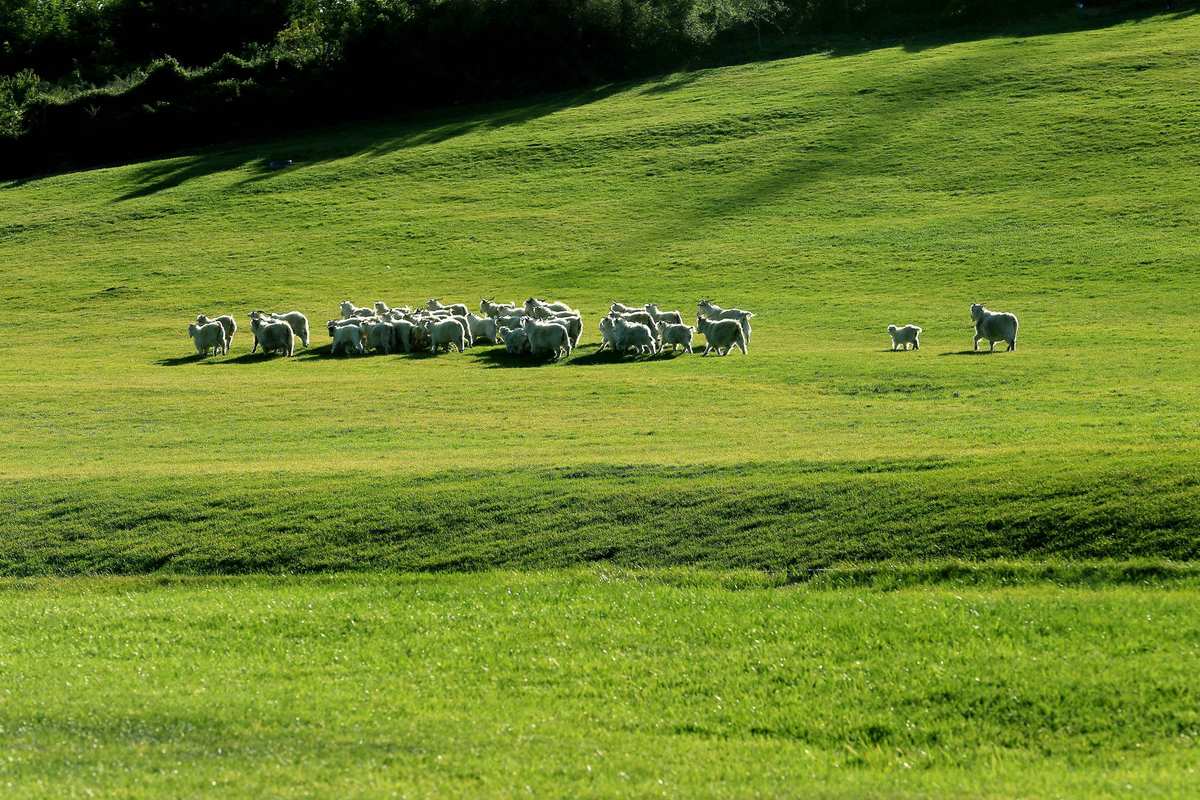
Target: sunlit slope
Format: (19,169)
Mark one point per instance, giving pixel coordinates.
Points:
(1053,176)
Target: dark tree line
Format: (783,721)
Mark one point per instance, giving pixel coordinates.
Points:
(84,81)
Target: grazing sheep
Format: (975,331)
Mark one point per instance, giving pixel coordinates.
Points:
(629,335)
(481,328)
(457,309)
(621,308)
(905,335)
(673,317)
(712,311)
(351,310)
(273,335)
(490,308)
(227,322)
(995,326)
(209,335)
(515,340)
(446,332)
(547,338)
(297,321)
(346,338)
(675,335)
(721,335)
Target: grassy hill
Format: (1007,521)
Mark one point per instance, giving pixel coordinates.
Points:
(833,194)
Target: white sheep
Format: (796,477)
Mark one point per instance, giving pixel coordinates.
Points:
(227,322)
(515,340)
(273,335)
(490,308)
(482,328)
(573,322)
(905,335)
(381,309)
(446,332)
(628,335)
(710,310)
(209,335)
(995,326)
(673,317)
(297,321)
(640,318)
(346,338)
(621,308)
(721,335)
(351,310)
(533,303)
(675,335)
(547,338)
(379,336)
(458,309)
(608,334)
(403,335)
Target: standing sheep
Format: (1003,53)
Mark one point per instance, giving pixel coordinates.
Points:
(547,338)
(458,309)
(995,326)
(446,332)
(675,335)
(673,317)
(273,335)
(351,310)
(208,336)
(721,335)
(297,321)
(710,310)
(227,322)
(346,338)
(905,335)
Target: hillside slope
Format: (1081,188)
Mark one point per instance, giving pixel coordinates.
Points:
(1053,176)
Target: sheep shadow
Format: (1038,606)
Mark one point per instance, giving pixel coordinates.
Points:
(966,353)
(251,358)
(599,357)
(499,358)
(179,361)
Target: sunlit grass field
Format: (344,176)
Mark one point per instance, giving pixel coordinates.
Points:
(1051,175)
(822,570)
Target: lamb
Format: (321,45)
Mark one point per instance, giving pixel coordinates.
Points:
(995,326)
(490,308)
(351,310)
(209,335)
(273,335)
(481,328)
(721,335)
(546,338)
(515,340)
(227,322)
(675,335)
(297,321)
(345,338)
(673,317)
(458,309)
(446,332)
(905,335)
(712,311)
(633,336)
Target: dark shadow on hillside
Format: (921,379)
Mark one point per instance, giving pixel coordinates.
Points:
(369,138)
(382,135)
(967,353)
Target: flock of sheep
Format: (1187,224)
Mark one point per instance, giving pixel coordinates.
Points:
(537,328)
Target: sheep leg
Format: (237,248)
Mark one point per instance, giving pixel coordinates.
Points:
(1012,345)
(741,346)
(977,338)
(707,348)
(916,344)
(991,346)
